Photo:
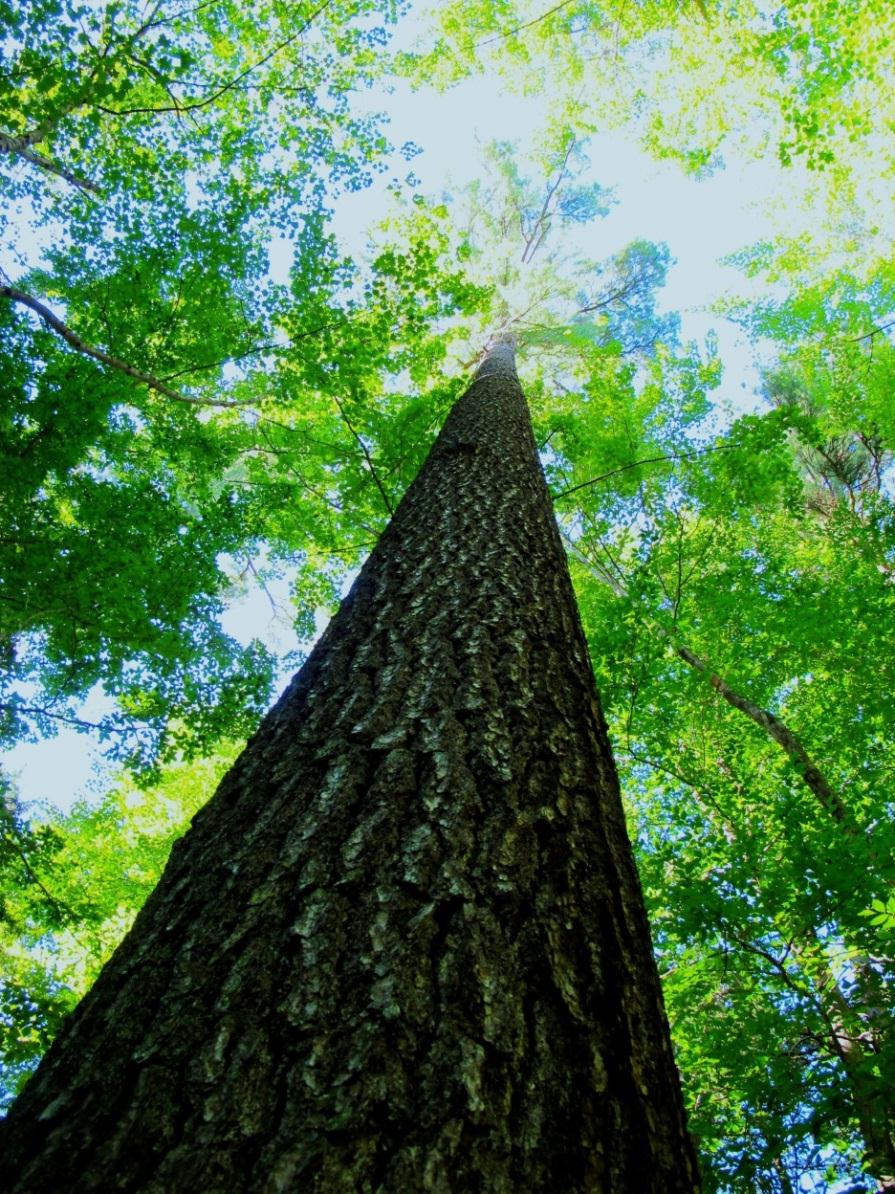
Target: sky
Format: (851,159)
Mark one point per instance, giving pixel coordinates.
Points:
(701,222)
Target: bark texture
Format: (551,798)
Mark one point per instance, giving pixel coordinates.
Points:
(403,948)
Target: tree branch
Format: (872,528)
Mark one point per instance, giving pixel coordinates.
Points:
(18,147)
(870,335)
(777,730)
(64,911)
(519,28)
(182,108)
(39,711)
(774,728)
(636,463)
(240,356)
(71,337)
(778,964)
(367,457)
(540,223)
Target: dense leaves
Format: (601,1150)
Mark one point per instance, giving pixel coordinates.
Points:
(160,151)
(814,76)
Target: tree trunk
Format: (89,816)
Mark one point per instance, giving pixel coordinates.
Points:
(403,948)
(852,1041)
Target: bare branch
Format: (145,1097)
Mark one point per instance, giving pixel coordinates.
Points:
(616,296)
(367,457)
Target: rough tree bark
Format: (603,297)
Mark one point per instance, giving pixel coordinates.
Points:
(403,948)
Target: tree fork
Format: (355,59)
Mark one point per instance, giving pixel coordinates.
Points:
(403,948)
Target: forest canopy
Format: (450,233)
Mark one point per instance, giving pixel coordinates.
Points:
(215,384)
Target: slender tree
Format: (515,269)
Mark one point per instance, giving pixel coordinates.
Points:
(404,946)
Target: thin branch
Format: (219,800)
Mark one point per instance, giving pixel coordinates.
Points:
(250,567)
(702,791)
(616,296)
(335,449)
(42,131)
(70,337)
(787,739)
(62,910)
(21,145)
(301,480)
(241,356)
(39,711)
(870,335)
(519,28)
(777,964)
(636,464)
(540,222)
(367,457)
(182,108)
(774,728)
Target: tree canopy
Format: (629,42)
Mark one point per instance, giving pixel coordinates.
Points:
(204,389)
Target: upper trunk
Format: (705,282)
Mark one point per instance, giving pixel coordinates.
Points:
(403,947)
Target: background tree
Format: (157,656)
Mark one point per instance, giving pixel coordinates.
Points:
(72,885)
(161,151)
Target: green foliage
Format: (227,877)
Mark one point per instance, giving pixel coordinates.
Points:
(814,75)
(72,885)
(768,553)
(515,233)
(171,147)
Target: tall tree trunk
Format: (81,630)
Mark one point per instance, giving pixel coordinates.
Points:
(403,948)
